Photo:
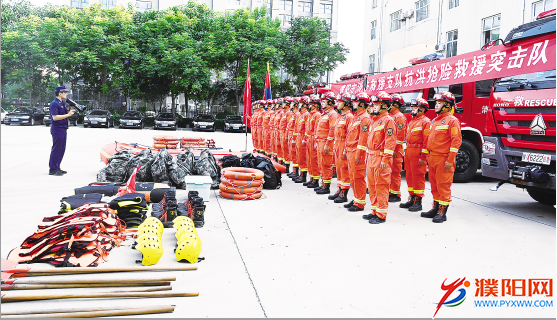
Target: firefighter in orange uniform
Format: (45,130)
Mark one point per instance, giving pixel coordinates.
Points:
(291,127)
(341,158)
(313,166)
(270,139)
(301,140)
(442,144)
(325,137)
(260,117)
(381,144)
(265,126)
(283,122)
(253,123)
(414,158)
(400,121)
(356,146)
(276,142)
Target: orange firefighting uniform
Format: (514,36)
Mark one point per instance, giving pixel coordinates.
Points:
(291,137)
(268,143)
(343,121)
(325,135)
(313,165)
(265,130)
(398,156)
(416,134)
(253,124)
(276,140)
(300,134)
(283,134)
(381,144)
(443,143)
(260,130)
(356,145)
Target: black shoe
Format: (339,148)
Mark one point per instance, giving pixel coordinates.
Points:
(355,208)
(342,196)
(314,184)
(431,213)
(334,196)
(376,220)
(393,198)
(441,214)
(324,190)
(408,203)
(63,171)
(318,188)
(305,184)
(302,178)
(57,173)
(349,204)
(367,216)
(417,205)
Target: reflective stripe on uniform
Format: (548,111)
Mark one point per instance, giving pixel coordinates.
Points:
(417,129)
(454,150)
(442,127)
(388,151)
(362,147)
(379,128)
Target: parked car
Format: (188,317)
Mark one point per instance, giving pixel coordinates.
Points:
(72,120)
(3,114)
(165,120)
(100,118)
(24,115)
(204,122)
(131,119)
(233,123)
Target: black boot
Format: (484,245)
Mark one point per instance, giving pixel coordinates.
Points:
(314,184)
(431,213)
(441,214)
(334,196)
(302,178)
(355,208)
(408,203)
(349,204)
(287,165)
(342,196)
(293,173)
(305,184)
(417,205)
(376,220)
(325,189)
(367,216)
(393,198)
(318,188)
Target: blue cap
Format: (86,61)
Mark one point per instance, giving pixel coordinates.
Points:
(61,88)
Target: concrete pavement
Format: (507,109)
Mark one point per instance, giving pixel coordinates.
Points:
(296,254)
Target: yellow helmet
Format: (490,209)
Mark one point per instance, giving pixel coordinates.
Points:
(151,252)
(185,229)
(178,225)
(182,218)
(186,235)
(189,249)
(153,220)
(149,230)
(151,225)
(148,237)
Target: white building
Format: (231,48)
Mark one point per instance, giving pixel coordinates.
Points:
(397,31)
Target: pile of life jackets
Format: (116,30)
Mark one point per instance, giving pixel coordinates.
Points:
(79,238)
(165,142)
(191,142)
(238,183)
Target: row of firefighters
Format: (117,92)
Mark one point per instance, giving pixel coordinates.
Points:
(362,136)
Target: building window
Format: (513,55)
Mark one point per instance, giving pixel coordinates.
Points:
(373,25)
(541,6)
(453,4)
(490,28)
(422,10)
(326,8)
(374,4)
(149,5)
(285,5)
(452,37)
(304,6)
(285,20)
(395,20)
(236,2)
(372,64)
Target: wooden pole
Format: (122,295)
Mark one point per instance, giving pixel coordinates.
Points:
(87,270)
(96,313)
(10,297)
(17,286)
(82,281)
(66,310)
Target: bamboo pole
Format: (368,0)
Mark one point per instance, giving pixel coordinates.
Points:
(67,310)
(82,281)
(99,313)
(87,270)
(17,286)
(10,297)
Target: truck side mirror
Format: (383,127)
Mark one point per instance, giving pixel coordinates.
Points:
(458,110)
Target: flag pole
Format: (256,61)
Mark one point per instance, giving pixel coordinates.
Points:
(246,125)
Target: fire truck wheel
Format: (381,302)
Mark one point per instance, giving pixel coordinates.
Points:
(467,162)
(542,196)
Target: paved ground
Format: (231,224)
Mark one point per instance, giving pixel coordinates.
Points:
(296,254)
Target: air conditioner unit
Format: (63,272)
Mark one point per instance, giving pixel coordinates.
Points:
(440,47)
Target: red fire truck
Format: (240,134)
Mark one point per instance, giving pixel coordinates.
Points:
(470,78)
(520,145)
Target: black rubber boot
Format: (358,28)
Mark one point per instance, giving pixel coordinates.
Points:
(293,173)
(314,184)
(305,184)
(334,196)
(302,178)
(355,208)
(441,214)
(393,198)
(376,220)
(408,203)
(318,188)
(342,196)
(367,216)
(431,213)
(349,204)
(417,205)
(325,189)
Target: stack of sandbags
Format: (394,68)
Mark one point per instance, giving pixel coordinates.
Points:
(165,142)
(192,142)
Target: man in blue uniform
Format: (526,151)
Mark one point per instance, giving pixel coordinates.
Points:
(59,124)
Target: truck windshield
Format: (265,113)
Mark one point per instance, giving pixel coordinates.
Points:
(529,81)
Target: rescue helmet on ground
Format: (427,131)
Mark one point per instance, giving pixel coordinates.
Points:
(189,249)
(147,237)
(153,220)
(151,252)
(149,230)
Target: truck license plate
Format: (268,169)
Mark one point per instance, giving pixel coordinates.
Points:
(536,158)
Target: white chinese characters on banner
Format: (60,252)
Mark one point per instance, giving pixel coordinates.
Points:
(518,57)
(535,56)
(497,60)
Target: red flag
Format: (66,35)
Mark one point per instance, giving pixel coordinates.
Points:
(247,100)
(267,95)
(129,187)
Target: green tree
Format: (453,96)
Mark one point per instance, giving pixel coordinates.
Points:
(307,51)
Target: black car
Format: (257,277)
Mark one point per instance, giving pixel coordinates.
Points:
(72,120)
(165,120)
(204,122)
(99,118)
(233,123)
(131,119)
(25,115)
